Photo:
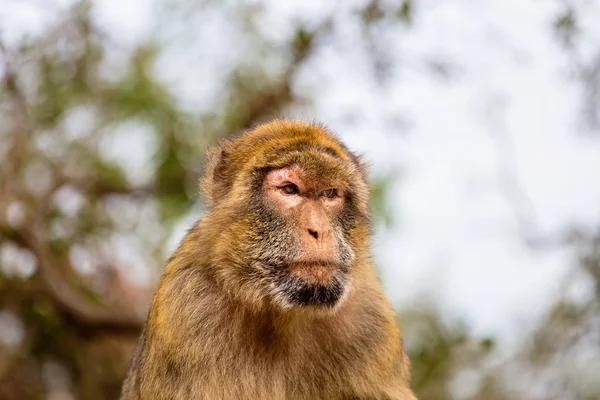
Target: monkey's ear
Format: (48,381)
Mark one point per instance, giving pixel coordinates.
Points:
(215,182)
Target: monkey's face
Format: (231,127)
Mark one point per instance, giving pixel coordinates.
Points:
(302,245)
(290,204)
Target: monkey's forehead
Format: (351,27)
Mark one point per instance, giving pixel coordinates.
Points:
(311,164)
(284,134)
(282,142)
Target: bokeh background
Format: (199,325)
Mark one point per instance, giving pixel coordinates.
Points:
(480,119)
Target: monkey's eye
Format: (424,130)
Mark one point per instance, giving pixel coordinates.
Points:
(330,193)
(290,188)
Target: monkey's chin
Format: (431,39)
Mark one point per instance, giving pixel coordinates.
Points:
(293,290)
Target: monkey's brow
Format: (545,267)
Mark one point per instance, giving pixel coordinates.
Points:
(324,149)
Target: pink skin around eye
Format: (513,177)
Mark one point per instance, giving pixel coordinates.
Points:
(278,178)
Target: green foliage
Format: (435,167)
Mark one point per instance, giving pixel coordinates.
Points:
(439,350)
(405,12)
(379,200)
(566,25)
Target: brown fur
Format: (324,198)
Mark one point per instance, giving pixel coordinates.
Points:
(216,331)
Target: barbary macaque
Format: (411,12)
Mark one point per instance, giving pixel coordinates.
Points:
(273,294)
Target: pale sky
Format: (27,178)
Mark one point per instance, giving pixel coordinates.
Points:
(455,236)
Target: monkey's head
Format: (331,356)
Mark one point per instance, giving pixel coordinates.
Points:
(290,204)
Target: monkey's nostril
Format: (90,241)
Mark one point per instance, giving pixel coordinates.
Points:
(314,234)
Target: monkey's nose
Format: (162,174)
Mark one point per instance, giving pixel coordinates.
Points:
(313,233)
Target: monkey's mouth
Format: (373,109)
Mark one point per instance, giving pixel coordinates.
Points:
(317,272)
(311,283)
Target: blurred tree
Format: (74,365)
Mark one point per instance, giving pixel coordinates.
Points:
(584,57)
(561,359)
(439,351)
(84,221)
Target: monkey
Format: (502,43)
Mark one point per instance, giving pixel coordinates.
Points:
(273,293)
